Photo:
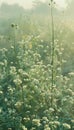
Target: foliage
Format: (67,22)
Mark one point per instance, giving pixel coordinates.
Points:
(25,89)
(28,101)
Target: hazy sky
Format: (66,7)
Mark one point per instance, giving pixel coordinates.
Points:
(28,3)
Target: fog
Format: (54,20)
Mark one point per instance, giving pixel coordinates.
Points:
(28,3)
(36,65)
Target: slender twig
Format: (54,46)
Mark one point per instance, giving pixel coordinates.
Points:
(52,52)
(52,45)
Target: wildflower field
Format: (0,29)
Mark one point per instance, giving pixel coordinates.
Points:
(34,93)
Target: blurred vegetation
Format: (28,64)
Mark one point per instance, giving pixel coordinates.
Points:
(28,101)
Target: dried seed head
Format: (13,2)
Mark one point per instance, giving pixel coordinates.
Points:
(54,2)
(49,4)
(12,25)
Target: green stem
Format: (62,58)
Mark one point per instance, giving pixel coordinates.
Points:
(52,46)
(52,54)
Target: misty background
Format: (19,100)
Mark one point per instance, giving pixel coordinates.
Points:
(10,11)
(37,21)
(37,65)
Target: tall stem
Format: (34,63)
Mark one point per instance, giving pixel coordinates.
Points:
(52,45)
(52,52)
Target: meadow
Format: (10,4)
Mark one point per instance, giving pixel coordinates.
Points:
(34,93)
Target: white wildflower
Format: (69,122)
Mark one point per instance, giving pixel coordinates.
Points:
(67,126)
(36,122)
(17,81)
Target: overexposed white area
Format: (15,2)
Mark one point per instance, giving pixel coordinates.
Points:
(28,3)
(61,3)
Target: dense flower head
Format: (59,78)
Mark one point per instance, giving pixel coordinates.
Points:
(67,126)
(46,127)
(13,70)
(36,122)
(17,81)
